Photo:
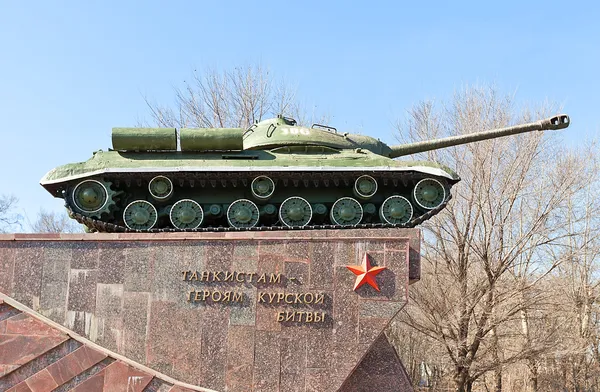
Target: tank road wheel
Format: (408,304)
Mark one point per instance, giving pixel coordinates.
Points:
(295,212)
(365,187)
(429,193)
(140,215)
(160,187)
(346,212)
(93,198)
(186,214)
(242,213)
(262,187)
(396,210)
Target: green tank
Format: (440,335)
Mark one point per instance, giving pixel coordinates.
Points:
(274,175)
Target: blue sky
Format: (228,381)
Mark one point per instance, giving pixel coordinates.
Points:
(72,70)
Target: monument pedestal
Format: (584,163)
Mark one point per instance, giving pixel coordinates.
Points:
(235,311)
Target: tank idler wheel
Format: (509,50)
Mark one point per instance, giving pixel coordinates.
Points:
(160,188)
(365,187)
(396,210)
(93,198)
(262,187)
(140,215)
(346,212)
(295,212)
(186,214)
(242,213)
(429,193)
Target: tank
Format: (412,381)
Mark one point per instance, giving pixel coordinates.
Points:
(273,175)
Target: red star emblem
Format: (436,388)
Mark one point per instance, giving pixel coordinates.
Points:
(365,273)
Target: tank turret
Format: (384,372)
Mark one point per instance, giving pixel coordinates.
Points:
(273,175)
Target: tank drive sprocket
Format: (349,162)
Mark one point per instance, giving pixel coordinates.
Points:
(92,198)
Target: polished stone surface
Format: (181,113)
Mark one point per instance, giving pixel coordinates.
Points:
(48,359)
(126,292)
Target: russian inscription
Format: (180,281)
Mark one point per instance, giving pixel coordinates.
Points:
(212,294)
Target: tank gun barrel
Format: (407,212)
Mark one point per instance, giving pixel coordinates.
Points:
(556,122)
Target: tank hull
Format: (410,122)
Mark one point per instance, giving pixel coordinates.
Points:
(220,179)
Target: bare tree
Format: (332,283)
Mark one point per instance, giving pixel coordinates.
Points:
(8,216)
(507,211)
(51,222)
(578,284)
(233,98)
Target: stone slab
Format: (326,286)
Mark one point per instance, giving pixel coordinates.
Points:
(73,365)
(240,311)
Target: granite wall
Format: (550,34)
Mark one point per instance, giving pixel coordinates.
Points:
(239,311)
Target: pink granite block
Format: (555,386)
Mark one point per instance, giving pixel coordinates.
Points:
(370,328)
(318,380)
(111,262)
(397,262)
(344,253)
(319,343)
(121,377)
(5,369)
(76,362)
(346,306)
(266,316)
(72,237)
(266,361)
(139,265)
(24,324)
(219,255)
(215,323)
(85,255)
(187,343)
(94,383)
(271,257)
(28,273)
(165,341)
(321,266)
(36,236)
(21,387)
(240,358)
(297,275)
(135,320)
(293,362)
(380,369)
(20,349)
(82,291)
(176,388)
(344,357)
(298,251)
(140,236)
(241,235)
(41,382)
(211,236)
(109,314)
(7,264)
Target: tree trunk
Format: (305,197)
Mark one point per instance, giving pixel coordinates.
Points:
(496,357)
(498,379)
(461,380)
(533,375)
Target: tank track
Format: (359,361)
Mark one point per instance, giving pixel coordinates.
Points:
(99,225)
